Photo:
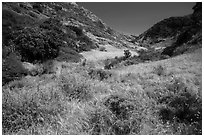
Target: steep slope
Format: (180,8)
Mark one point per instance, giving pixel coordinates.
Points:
(174,32)
(39,31)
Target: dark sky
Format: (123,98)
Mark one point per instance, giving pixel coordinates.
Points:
(136,17)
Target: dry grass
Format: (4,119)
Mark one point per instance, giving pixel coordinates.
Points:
(96,55)
(134,100)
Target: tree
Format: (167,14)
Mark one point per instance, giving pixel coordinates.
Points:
(127,53)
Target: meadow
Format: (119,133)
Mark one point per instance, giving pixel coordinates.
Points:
(156,98)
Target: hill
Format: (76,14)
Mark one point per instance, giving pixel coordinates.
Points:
(65,72)
(37,32)
(174,35)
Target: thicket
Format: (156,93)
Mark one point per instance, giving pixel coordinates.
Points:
(110,63)
(12,68)
(180,105)
(36,45)
(120,116)
(99,74)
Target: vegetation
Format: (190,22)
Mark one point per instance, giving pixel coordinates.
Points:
(127,53)
(102,48)
(46,91)
(12,69)
(34,45)
(87,100)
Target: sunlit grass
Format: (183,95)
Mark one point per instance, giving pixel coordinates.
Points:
(162,97)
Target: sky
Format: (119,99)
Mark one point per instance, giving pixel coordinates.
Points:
(136,17)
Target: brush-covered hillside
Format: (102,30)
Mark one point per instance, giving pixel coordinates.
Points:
(65,72)
(35,32)
(174,35)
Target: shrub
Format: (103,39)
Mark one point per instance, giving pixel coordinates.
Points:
(48,67)
(127,53)
(149,55)
(68,54)
(34,44)
(16,9)
(160,70)
(102,48)
(129,62)
(182,105)
(77,92)
(77,30)
(12,69)
(100,122)
(53,24)
(76,89)
(99,74)
(119,117)
(85,43)
(108,64)
(38,7)
(183,37)
(58,8)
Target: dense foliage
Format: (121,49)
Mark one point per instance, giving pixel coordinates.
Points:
(35,44)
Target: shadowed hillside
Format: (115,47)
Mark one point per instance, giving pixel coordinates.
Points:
(175,35)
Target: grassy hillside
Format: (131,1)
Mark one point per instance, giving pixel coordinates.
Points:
(162,97)
(37,32)
(65,72)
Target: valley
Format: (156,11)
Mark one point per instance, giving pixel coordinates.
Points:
(66,72)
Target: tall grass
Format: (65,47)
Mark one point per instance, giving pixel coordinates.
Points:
(77,103)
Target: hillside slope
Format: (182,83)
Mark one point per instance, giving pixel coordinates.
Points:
(179,34)
(47,91)
(37,32)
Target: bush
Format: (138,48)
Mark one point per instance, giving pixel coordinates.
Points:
(102,48)
(77,92)
(12,69)
(36,45)
(53,24)
(76,89)
(130,62)
(182,105)
(85,43)
(68,54)
(100,122)
(119,117)
(38,7)
(127,53)
(48,67)
(110,63)
(99,74)
(160,70)
(77,30)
